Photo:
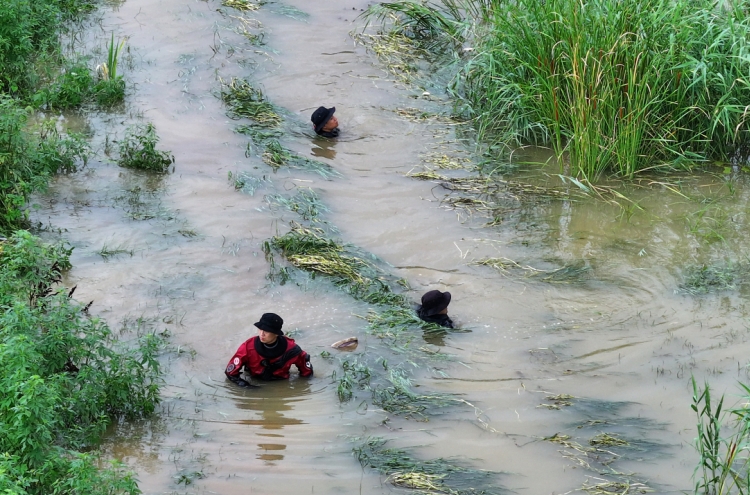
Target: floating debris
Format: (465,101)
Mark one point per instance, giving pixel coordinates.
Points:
(607,440)
(243,5)
(243,100)
(348,343)
(557,401)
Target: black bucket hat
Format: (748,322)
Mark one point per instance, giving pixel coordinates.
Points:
(434,302)
(321,116)
(271,322)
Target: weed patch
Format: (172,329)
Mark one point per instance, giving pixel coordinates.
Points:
(277,156)
(138,150)
(28,159)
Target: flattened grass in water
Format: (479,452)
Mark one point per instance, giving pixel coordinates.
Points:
(277,156)
(574,272)
(432,476)
(243,5)
(306,203)
(400,399)
(309,249)
(243,100)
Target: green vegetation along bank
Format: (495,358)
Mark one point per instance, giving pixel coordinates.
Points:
(64,376)
(613,87)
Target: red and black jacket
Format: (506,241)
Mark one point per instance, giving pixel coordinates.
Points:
(260,362)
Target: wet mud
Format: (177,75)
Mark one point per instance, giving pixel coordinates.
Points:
(584,327)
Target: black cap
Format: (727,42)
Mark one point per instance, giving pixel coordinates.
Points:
(320,117)
(434,302)
(271,322)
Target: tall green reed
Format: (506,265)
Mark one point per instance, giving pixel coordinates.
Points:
(613,86)
(724,461)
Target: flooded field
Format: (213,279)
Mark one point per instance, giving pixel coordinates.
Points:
(584,321)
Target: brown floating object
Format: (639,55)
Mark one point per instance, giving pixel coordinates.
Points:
(349,343)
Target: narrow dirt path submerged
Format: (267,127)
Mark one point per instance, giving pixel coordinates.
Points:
(197,269)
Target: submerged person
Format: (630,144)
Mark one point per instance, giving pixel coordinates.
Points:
(269,355)
(434,308)
(325,123)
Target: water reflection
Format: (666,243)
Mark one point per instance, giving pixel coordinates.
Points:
(324,148)
(271,401)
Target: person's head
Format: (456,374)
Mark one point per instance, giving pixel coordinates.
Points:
(323,120)
(435,302)
(269,327)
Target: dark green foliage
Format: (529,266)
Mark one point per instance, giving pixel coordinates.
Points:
(64,378)
(70,90)
(28,30)
(109,92)
(28,159)
(138,149)
(432,476)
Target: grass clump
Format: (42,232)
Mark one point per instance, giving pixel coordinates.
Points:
(305,203)
(64,379)
(432,476)
(573,272)
(354,374)
(704,279)
(138,150)
(243,5)
(243,100)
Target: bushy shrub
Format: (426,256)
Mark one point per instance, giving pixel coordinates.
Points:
(28,159)
(63,378)
(71,89)
(138,149)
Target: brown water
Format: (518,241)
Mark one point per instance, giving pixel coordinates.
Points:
(623,341)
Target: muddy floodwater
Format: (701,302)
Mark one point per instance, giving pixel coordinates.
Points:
(606,345)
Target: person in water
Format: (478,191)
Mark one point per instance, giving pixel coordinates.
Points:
(325,123)
(434,308)
(269,355)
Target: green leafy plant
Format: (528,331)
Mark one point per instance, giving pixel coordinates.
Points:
(27,159)
(110,89)
(64,377)
(138,150)
(724,461)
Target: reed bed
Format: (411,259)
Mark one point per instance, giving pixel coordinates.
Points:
(613,86)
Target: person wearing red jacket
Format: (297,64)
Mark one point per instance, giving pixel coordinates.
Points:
(269,355)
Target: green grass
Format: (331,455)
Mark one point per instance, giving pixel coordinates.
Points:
(276,156)
(138,150)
